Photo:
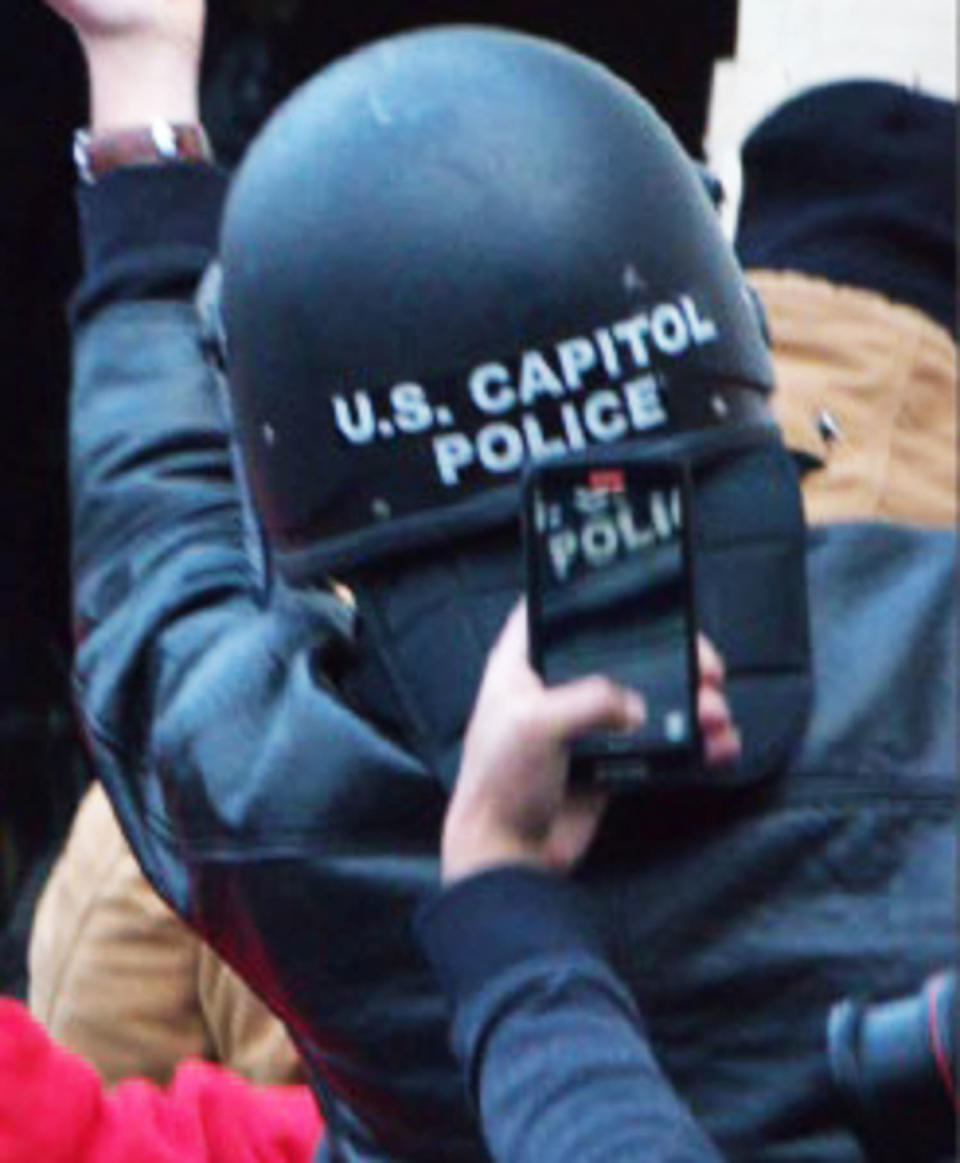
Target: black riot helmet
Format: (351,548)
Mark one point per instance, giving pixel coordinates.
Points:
(459,251)
(452,252)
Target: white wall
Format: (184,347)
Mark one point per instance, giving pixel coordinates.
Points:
(784,46)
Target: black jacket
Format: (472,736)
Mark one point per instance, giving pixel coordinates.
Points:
(299,838)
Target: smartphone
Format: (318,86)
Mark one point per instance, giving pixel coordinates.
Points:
(610,590)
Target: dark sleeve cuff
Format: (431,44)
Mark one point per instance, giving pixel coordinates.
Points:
(491,922)
(147,232)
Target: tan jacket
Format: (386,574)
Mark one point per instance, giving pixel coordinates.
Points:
(885,376)
(116,977)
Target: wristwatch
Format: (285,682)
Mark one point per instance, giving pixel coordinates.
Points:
(159,143)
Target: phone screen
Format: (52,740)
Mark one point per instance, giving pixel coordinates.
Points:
(610,591)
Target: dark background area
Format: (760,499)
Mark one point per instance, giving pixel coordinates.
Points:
(257,51)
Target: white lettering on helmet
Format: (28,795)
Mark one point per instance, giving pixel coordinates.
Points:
(631,332)
(576,357)
(669,329)
(539,446)
(702,330)
(411,408)
(608,353)
(359,428)
(452,451)
(490,389)
(537,378)
(500,448)
(603,416)
(644,403)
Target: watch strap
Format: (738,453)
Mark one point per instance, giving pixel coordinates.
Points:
(159,143)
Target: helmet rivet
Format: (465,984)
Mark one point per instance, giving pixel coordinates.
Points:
(380,509)
(269,434)
(719,405)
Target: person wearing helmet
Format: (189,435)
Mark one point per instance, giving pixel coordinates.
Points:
(449,254)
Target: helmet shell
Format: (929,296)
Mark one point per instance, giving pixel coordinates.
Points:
(441,202)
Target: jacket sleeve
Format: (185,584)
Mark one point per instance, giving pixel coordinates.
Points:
(553,1047)
(206,711)
(158,549)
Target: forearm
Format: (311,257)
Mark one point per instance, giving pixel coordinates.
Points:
(551,1041)
(142,396)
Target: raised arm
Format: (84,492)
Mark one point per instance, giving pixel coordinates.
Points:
(176,642)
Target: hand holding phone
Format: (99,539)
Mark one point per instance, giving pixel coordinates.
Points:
(513,801)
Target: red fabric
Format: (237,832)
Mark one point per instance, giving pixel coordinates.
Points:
(54,1108)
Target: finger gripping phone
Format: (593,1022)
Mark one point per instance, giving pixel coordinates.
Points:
(610,590)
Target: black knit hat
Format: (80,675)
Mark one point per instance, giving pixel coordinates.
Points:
(856,182)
